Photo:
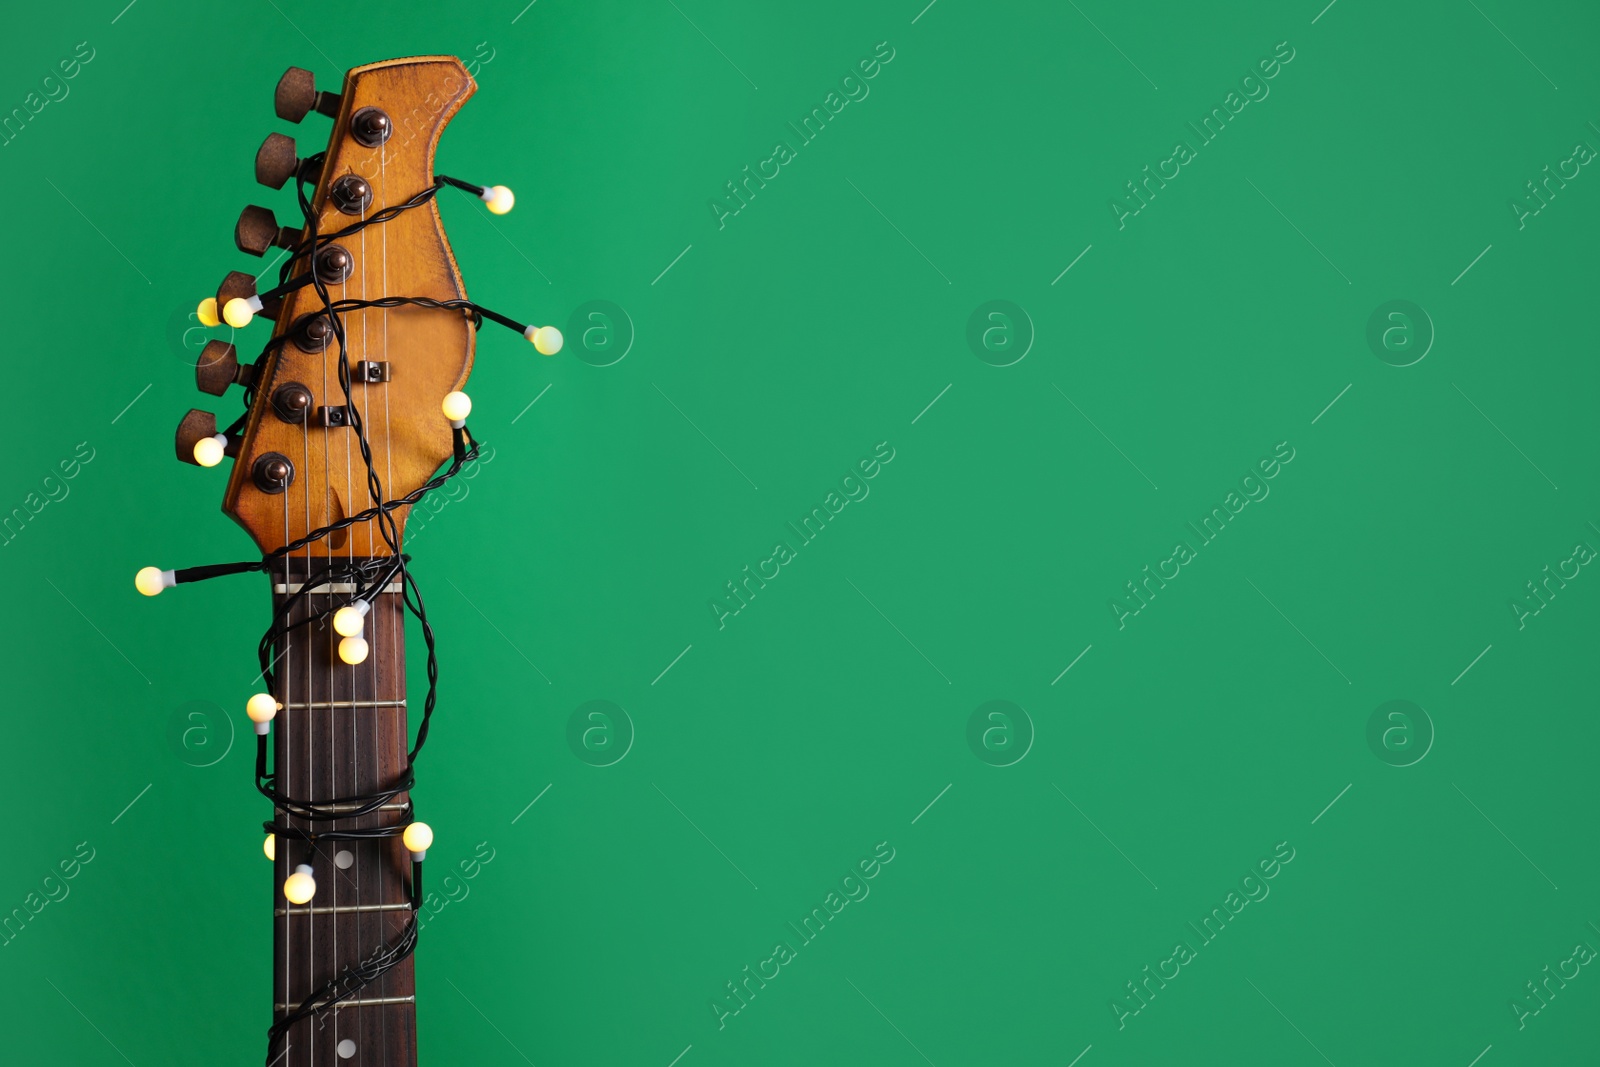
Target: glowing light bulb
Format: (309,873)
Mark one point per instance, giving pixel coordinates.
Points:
(499,198)
(262,709)
(239,311)
(348,620)
(270,847)
(547,339)
(456,408)
(151,580)
(418,837)
(353,650)
(300,886)
(207,312)
(208,451)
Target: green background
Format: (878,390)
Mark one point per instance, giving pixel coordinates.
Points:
(770,756)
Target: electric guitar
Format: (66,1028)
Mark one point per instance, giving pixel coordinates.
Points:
(352,409)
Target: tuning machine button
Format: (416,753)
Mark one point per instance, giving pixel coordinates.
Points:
(198,441)
(297,96)
(219,367)
(276,161)
(239,286)
(257,230)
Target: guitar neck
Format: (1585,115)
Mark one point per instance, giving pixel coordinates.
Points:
(342,732)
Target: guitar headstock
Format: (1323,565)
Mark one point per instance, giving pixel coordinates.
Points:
(377,235)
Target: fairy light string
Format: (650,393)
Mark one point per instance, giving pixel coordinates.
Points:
(366,578)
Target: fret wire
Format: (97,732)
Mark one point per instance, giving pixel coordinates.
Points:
(346,909)
(373,768)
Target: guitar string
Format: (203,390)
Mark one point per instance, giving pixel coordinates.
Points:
(384,850)
(365,577)
(383,518)
(355,712)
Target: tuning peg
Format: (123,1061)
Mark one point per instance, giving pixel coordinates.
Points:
(219,367)
(238,303)
(198,441)
(276,162)
(257,230)
(297,95)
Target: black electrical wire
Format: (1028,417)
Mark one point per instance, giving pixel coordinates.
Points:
(367,576)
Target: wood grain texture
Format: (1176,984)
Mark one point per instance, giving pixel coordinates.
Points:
(429,351)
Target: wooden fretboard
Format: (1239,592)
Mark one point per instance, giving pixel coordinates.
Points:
(342,732)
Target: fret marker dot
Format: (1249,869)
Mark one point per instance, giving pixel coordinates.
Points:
(342,859)
(345,1049)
